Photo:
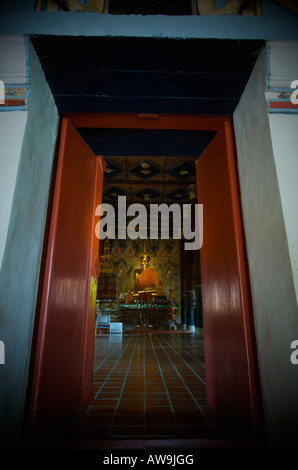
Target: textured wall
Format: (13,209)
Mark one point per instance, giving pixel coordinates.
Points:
(273,293)
(21,260)
(12,127)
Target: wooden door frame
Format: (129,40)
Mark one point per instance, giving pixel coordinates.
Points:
(179,122)
(142,121)
(93,269)
(236,323)
(147,121)
(93,273)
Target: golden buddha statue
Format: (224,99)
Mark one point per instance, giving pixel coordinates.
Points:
(147,302)
(146,277)
(129,296)
(160,286)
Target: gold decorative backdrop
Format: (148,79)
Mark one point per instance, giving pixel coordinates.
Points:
(165,259)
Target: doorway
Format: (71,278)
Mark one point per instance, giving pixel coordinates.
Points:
(58,406)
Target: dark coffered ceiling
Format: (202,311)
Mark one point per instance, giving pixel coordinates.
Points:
(154,179)
(147,75)
(148,165)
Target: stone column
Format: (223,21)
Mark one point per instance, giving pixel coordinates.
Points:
(190,311)
(196,268)
(182,284)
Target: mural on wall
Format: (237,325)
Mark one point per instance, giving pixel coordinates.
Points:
(229,7)
(165,259)
(192,7)
(96,6)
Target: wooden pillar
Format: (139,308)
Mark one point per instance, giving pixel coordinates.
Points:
(182,284)
(196,266)
(190,312)
(190,317)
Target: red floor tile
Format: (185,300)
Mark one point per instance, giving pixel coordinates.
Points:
(148,386)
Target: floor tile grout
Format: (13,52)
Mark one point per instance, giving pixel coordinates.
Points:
(110,428)
(148,386)
(168,396)
(185,385)
(185,362)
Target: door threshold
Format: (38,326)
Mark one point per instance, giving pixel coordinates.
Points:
(149,445)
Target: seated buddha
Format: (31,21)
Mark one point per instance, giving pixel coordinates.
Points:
(129,297)
(147,279)
(145,276)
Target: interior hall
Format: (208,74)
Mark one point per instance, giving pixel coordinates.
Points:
(148,240)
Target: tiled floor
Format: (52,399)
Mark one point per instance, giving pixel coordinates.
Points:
(148,386)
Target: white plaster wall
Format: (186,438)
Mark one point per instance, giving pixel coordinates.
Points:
(284,130)
(12,127)
(282,63)
(13,59)
(19,275)
(273,294)
(13,71)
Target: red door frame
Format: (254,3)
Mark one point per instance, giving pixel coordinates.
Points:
(230,359)
(141,121)
(147,121)
(207,123)
(94,270)
(84,330)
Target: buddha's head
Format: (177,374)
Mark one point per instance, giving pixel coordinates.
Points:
(145,258)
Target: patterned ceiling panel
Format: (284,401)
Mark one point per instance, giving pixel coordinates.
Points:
(112,170)
(146,170)
(178,195)
(183,170)
(111,193)
(148,194)
(148,180)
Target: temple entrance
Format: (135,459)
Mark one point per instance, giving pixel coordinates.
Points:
(158,286)
(148,301)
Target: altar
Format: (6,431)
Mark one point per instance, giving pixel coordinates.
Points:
(144,305)
(156,315)
(147,305)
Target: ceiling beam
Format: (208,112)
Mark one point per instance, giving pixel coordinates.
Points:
(149,182)
(147,121)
